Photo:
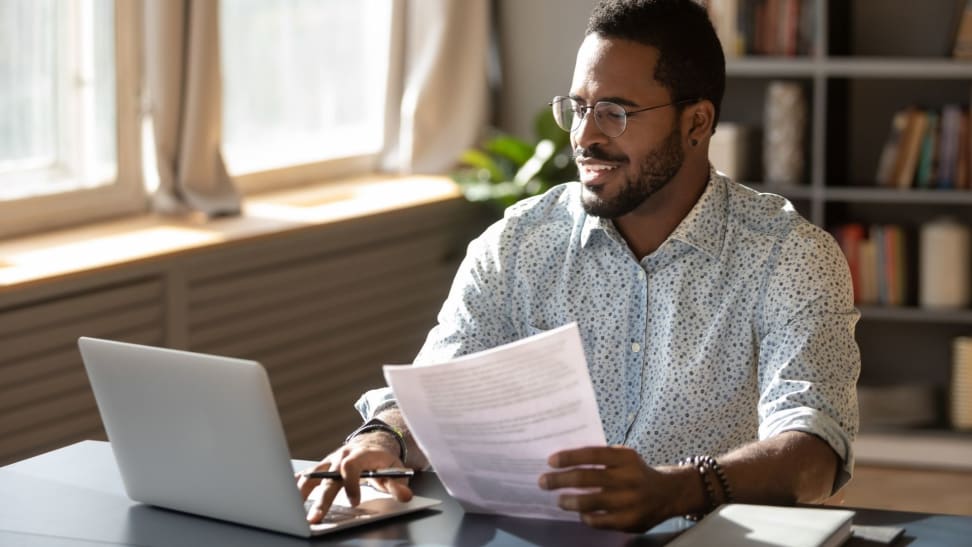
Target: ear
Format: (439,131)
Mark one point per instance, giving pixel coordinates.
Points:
(698,119)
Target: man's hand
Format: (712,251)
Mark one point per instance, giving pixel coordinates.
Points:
(362,453)
(625,493)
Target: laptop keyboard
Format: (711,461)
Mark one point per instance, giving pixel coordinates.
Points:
(341,513)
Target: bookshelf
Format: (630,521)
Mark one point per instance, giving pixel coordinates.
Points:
(870,58)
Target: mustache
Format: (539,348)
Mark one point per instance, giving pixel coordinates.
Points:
(595,152)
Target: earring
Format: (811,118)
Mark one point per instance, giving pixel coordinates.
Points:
(695,142)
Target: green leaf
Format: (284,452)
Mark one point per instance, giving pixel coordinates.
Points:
(546,128)
(511,148)
(544,150)
(482,160)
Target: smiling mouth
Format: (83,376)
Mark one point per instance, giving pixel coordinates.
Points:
(594,174)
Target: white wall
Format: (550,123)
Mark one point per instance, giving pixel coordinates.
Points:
(539,44)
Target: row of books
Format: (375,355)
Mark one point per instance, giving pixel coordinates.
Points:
(878,259)
(764,27)
(927,149)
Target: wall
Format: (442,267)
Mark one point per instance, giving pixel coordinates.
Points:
(539,44)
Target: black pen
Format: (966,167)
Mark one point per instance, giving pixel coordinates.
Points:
(390,473)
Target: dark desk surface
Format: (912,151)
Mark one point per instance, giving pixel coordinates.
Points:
(73,496)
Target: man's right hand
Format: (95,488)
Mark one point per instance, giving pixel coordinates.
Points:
(362,453)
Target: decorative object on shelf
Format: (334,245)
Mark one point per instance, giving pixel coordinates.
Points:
(506,169)
(785,123)
(944,265)
(960,403)
(731,150)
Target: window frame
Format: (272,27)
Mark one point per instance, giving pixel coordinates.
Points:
(126,193)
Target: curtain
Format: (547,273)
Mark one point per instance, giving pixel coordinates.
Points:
(445,89)
(184,100)
(438,101)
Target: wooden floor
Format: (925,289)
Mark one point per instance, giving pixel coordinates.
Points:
(927,491)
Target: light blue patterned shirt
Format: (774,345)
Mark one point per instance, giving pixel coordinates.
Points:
(740,326)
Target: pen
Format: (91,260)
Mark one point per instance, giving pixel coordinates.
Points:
(389,473)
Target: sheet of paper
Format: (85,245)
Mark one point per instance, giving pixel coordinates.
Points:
(488,421)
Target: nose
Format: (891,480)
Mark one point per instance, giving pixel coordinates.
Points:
(587,132)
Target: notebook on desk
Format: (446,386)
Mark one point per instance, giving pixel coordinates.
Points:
(201,434)
(741,525)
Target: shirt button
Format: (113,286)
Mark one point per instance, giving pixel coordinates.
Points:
(631,417)
(636,347)
(641,275)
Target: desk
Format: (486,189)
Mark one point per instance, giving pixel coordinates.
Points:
(74,497)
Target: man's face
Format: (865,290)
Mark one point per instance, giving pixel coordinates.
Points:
(620,173)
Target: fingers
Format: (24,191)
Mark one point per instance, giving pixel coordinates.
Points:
(349,461)
(396,487)
(608,456)
(322,505)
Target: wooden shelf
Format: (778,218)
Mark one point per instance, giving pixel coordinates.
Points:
(934,449)
(893,195)
(915,315)
(896,68)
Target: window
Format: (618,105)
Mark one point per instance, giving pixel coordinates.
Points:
(61,117)
(304,83)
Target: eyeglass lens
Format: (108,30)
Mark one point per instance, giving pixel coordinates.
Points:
(610,118)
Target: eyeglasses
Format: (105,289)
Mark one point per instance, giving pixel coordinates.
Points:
(611,118)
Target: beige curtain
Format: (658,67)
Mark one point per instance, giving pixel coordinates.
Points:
(444,86)
(184,100)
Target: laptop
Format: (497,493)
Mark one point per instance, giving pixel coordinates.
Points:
(201,434)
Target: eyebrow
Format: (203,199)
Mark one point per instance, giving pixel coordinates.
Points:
(616,100)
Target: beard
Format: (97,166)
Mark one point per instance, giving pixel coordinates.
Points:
(656,170)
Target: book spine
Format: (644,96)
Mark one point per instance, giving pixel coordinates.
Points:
(910,144)
(926,158)
(889,153)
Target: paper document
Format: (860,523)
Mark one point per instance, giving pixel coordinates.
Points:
(489,421)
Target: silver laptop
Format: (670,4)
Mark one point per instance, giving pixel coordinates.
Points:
(201,434)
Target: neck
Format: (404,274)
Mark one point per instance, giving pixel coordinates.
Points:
(648,226)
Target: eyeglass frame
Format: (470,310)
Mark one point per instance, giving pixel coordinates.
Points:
(589,108)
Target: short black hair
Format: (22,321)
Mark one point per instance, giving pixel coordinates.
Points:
(690,64)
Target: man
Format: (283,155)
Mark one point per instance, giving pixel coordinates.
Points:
(717,323)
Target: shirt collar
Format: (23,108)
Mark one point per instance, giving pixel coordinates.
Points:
(704,227)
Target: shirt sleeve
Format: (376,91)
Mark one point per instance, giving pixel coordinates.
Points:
(809,361)
(474,317)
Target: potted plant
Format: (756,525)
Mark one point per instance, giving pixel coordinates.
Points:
(506,169)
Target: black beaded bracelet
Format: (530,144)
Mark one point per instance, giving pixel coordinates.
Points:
(721,475)
(707,489)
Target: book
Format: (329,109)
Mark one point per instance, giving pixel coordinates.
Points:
(725,18)
(889,153)
(962,48)
(962,153)
(924,177)
(910,145)
(867,266)
(849,237)
(739,525)
(949,146)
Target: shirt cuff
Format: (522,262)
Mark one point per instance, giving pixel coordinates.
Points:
(374,401)
(813,421)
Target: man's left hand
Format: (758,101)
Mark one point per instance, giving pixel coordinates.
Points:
(624,492)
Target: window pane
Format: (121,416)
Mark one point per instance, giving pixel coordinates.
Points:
(28,94)
(303,80)
(57,96)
